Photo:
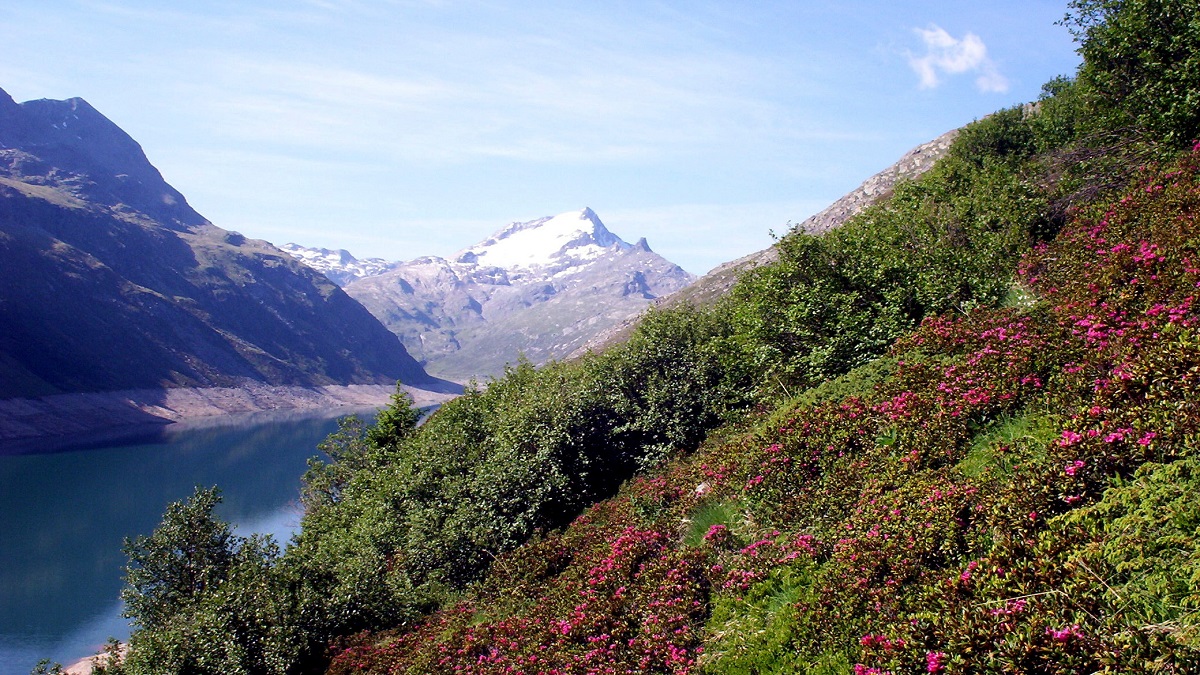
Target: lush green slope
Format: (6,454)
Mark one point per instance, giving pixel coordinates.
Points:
(955,435)
(1008,491)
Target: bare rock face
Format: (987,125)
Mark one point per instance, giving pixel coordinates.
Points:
(109,280)
(914,163)
(539,289)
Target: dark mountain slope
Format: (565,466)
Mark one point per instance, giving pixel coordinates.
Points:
(110,280)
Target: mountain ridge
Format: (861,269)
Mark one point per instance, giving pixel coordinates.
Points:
(537,289)
(112,281)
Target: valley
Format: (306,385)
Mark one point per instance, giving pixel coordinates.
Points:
(948,424)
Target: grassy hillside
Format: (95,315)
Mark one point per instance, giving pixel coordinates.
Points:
(955,435)
(1009,490)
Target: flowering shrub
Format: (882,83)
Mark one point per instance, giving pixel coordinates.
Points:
(948,469)
(1011,495)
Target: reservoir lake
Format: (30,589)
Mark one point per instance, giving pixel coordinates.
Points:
(66,514)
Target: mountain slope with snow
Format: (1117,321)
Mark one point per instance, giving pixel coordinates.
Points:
(338,266)
(541,288)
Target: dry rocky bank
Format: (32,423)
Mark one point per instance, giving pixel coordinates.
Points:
(48,423)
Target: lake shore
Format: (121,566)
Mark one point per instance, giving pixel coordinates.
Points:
(51,423)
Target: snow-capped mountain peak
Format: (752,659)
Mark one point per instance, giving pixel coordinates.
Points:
(575,236)
(541,288)
(338,265)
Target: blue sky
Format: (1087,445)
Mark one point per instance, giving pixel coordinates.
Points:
(406,127)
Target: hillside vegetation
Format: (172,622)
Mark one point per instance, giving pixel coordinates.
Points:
(957,434)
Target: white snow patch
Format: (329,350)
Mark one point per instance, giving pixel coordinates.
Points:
(575,236)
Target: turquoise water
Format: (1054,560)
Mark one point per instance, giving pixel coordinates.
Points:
(65,516)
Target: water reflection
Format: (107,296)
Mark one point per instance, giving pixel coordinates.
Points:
(66,514)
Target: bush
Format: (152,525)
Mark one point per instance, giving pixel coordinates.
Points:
(1141,64)
(948,241)
(205,601)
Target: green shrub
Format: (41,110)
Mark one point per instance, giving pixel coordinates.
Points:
(948,241)
(1141,64)
(203,600)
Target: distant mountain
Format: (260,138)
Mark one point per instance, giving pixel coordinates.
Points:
(541,288)
(109,280)
(339,266)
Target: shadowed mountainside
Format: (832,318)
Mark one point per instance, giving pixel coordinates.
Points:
(110,280)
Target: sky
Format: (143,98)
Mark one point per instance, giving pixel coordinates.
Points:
(404,128)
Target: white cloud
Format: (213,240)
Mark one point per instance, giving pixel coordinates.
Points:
(947,55)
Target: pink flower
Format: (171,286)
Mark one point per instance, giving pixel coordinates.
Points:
(935,662)
(1064,634)
(1145,440)
(1069,438)
(966,574)
(716,532)
(1073,467)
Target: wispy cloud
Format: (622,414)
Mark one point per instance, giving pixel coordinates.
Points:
(587,104)
(948,55)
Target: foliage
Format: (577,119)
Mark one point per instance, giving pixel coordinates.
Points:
(945,242)
(204,600)
(186,555)
(1007,492)
(45,667)
(956,435)
(1141,64)
(397,524)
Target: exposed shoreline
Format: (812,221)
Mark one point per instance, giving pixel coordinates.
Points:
(51,423)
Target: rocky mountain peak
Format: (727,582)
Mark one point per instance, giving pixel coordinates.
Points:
(83,152)
(110,281)
(8,107)
(539,288)
(575,236)
(339,266)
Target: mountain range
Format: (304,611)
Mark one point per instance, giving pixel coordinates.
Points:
(539,289)
(111,281)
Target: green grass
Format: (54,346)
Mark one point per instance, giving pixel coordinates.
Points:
(730,514)
(754,634)
(999,445)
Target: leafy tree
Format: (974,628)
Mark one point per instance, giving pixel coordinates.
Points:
(169,570)
(206,601)
(45,667)
(395,422)
(1141,64)
(947,241)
